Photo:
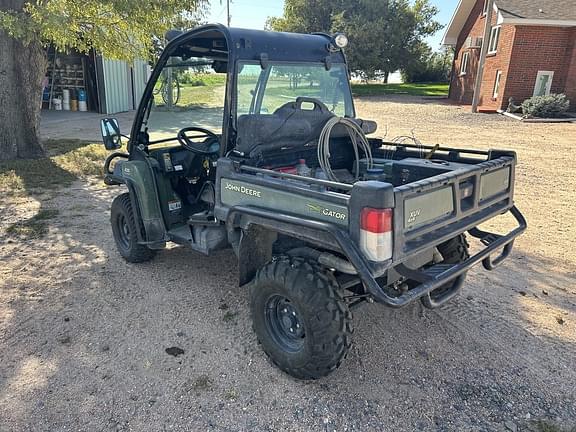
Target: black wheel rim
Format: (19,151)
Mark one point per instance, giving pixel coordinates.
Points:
(123,232)
(284,323)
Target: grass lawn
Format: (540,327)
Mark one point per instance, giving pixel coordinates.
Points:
(431,89)
(66,161)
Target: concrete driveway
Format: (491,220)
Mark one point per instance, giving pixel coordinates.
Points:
(79,125)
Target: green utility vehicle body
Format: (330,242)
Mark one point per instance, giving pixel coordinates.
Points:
(377,221)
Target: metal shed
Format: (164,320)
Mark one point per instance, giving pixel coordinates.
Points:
(120,84)
(106,86)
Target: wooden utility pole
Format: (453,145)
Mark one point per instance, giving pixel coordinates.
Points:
(482,60)
(228,17)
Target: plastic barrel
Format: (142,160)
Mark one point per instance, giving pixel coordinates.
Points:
(57,104)
(81,95)
(82,106)
(66,96)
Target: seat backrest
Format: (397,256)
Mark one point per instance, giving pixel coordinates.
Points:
(289,126)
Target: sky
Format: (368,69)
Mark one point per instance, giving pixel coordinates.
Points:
(253,14)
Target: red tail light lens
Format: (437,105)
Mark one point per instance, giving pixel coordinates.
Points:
(376,220)
(376,239)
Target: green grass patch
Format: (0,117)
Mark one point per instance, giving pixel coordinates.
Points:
(66,161)
(33,228)
(205,96)
(431,89)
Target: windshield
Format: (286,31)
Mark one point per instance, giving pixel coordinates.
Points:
(262,91)
(187,93)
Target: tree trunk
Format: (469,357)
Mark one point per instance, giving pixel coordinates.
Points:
(386,76)
(22,70)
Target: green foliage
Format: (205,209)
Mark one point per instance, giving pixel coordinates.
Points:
(428,66)
(433,89)
(121,29)
(304,16)
(202,79)
(382,33)
(551,106)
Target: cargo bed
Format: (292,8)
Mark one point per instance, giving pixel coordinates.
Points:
(463,189)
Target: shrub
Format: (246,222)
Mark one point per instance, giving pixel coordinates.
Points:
(551,106)
(201,79)
(428,67)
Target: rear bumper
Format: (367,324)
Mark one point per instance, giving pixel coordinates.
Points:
(428,281)
(493,243)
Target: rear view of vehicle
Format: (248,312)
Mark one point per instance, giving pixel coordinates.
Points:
(325,218)
(322,216)
(388,228)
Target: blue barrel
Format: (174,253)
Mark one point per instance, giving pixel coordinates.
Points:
(82,95)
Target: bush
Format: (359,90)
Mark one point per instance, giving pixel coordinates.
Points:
(195,79)
(428,67)
(551,106)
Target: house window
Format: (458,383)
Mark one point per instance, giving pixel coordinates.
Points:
(494,38)
(464,63)
(497,84)
(543,83)
(485,8)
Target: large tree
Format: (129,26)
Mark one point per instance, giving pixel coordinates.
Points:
(120,29)
(382,33)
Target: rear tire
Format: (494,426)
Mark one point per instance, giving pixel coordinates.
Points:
(454,251)
(300,317)
(124,229)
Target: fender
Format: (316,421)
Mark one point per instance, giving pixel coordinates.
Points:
(139,178)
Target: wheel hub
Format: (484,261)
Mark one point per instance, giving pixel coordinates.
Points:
(284,323)
(123,231)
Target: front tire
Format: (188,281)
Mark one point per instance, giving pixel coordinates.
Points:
(300,317)
(124,229)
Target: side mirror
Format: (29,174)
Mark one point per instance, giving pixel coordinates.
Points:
(111,133)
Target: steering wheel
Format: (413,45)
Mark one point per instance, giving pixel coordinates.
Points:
(195,146)
(318,105)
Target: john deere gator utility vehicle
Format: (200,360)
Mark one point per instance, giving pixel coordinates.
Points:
(262,152)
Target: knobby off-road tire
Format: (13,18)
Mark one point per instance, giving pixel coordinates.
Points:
(454,251)
(124,229)
(300,317)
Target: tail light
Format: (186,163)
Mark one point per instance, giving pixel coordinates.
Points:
(376,233)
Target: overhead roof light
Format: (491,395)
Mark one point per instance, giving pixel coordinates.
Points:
(340,40)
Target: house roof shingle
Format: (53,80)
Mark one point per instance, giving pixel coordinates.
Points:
(538,9)
(518,12)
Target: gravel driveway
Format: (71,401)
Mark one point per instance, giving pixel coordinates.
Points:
(83,335)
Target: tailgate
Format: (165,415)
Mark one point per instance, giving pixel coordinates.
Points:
(431,211)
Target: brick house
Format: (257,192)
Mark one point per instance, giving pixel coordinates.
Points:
(531,50)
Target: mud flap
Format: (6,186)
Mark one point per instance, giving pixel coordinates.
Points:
(255,250)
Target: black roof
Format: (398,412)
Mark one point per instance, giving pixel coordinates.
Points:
(247,44)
